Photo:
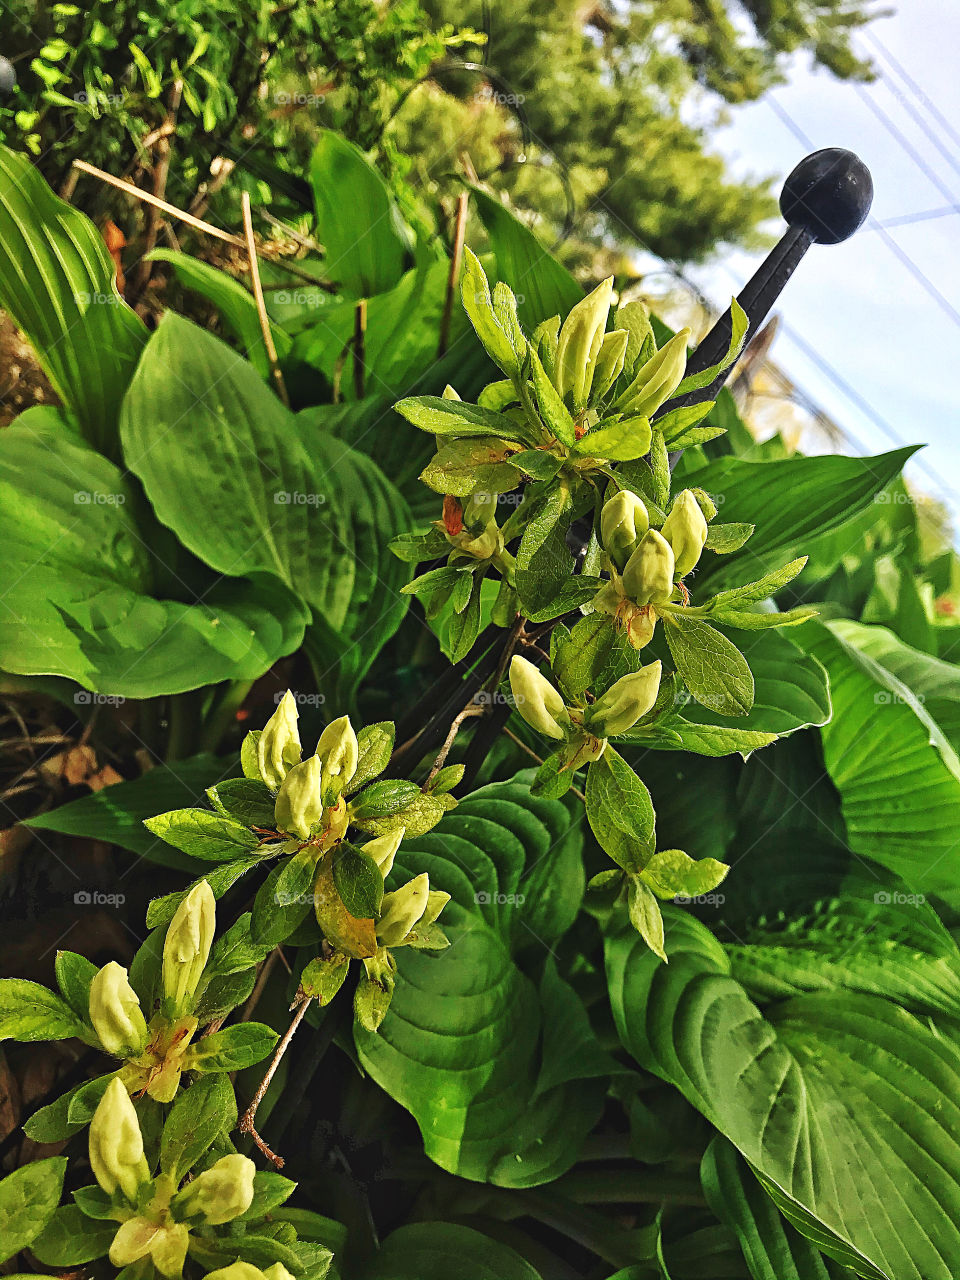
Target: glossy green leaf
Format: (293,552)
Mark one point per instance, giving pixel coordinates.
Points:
(28,1198)
(440,1250)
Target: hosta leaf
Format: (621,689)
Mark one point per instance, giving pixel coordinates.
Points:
(57,285)
(771,1247)
(250,488)
(843,1103)
(87,597)
(790,501)
(365,253)
(440,1250)
(898,776)
(462,1047)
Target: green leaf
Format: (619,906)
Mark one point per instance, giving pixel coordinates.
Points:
(245,800)
(619,810)
(677,425)
(74,976)
(547,287)
(591,656)
(619,441)
(544,562)
(29,1012)
(197,1118)
(440,1250)
(28,1198)
(236,305)
(673,873)
(897,774)
(739,324)
(478,304)
(727,606)
(70,1238)
(85,598)
(711,666)
(251,488)
(554,412)
(365,253)
(457,418)
(269,1191)
(220,878)
(374,749)
(358,880)
(233,1048)
(203,834)
(810,1090)
(115,814)
(57,286)
(790,502)
(645,916)
(461,1045)
(771,1247)
(284,900)
(725,538)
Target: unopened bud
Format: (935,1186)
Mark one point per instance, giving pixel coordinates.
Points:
(658,379)
(479,509)
(537,700)
(340,752)
(279,745)
(221,1193)
(140,1237)
(116,1144)
(277,1271)
(115,1012)
(299,806)
(579,344)
(449,393)
(623,522)
(383,850)
(238,1271)
(685,528)
(187,944)
(402,909)
(648,574)
(437,899)
(609,363)
(625,702)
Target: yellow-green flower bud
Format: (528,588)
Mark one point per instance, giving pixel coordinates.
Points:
(479,509)
(116,1145)
(240,1271)
(277,1271)
(383,850)
(340,752)
(625,702)
(436,901)
(187,944)
(449,393)
(685,528)
(402,909)
(609,363)
(299,805)
(221,1193)
(537,700)
(115,1012)
(138,1237)
(658,379)
(279,745)
(623,522)
(648,574)
(579,344)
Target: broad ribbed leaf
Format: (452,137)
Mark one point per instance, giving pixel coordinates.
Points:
(247,487)
(898,776)
(790,501)
(772,1248)
(364,237)
(844,1103)
(86,598)
(57,285)
(441,1250)
(466,1045)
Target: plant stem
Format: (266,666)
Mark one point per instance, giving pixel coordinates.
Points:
(245,1124)
(224,713)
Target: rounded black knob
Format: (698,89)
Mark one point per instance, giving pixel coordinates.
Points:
(8,76)
(829,194)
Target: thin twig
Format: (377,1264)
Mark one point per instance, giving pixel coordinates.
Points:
(165,205)
(472,709)
(245,1124)
(265,970)
(459,231)
(261,305)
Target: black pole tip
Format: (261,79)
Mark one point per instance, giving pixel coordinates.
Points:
(829,194)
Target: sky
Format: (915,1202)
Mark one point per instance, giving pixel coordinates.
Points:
(884,332)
